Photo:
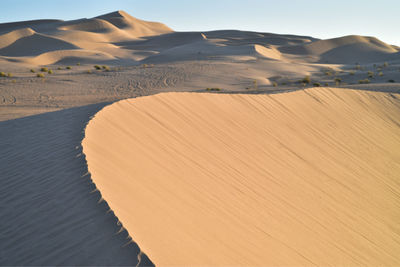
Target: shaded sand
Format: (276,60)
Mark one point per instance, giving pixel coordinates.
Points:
(50,212)
(303,178)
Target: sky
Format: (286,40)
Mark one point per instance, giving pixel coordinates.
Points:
(316,18)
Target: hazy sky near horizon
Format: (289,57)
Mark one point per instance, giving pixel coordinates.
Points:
(320,19)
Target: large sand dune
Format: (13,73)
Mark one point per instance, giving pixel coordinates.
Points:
(134,41)
(293,179)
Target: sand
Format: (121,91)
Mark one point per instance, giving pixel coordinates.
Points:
(145,58)
(52,214)
(292,179)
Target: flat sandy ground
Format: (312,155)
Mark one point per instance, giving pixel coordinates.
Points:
(274,158)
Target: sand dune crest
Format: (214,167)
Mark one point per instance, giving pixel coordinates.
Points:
(295,179)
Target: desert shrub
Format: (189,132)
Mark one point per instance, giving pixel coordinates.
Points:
(44,69)
(68,67)
(351,73)
(328,73)
(145,65)
(33,71)
(40,75)
(316,84)
(379,69)
(386,64)
(274,84)
(213,89)
(338,80)
(363,81)
(255,84)
(78,64)
(380,74)
(106,68)
(50,72)
(9,75)
(358,67)
(89,71)
(306,80)
(326,84)
(97,67)
(391,81)
(370,74)
(2,74)
(59,68)
(13,81)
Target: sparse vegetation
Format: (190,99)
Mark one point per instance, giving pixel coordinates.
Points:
(40,75)
(44,69)
(50,72)
(365,81)
(351,72)
(328,73)
(59,68)
(78,64)
(380,74)
(358,67)
(68,67)
(2,74)
(326,84)
(89,71)
(391,81)
(106,68)
(9,75)
(316,84)
(144,65)
(385,64)
(214,89)
(255,84)
(97,67)
(33,71)
(370,74)
(274,84)
(306,80)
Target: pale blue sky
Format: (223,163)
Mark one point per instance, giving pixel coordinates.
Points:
(321,19)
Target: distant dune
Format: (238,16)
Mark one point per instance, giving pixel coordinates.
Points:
(133,41)
(292,179)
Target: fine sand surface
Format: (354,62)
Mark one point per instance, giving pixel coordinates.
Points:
(316,156)
(291,179)
(50,212)
(143,58)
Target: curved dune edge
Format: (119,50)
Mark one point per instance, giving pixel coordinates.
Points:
(302,178)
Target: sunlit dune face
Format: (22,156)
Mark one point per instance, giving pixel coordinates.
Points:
(294,179)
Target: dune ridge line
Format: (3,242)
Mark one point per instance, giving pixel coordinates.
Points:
(301,178)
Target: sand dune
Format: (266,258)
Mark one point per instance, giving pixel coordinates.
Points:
(347,49)
(293,179)
(34,45)
(50,212)
(36,38)
(9,38)
(132,41)
(135,26)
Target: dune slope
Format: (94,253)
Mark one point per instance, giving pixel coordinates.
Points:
(50,211)
(301,178)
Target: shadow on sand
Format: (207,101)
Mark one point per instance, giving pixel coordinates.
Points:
(50,211)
